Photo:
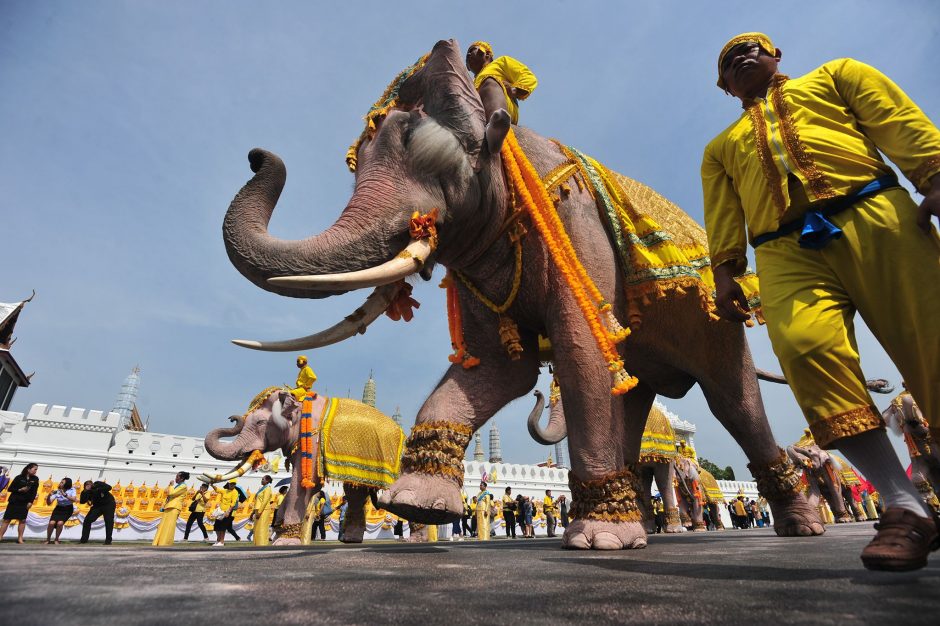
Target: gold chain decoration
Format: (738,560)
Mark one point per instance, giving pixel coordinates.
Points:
(596,310)
(437,448)
(608,499)
(778,479)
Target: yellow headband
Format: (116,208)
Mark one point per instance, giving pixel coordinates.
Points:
(759,38)
(485,47)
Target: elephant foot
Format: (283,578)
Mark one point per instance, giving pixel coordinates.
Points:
(287,541)
(585,534)
(845,519)
(674,528)
(423,498)
(794,517)
(781,485)
(353,533)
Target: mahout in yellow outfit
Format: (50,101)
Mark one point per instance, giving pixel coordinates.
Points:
(515,79)
(305,379)
(175,496)
(811,141)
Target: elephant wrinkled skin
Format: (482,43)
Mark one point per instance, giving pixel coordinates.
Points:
(429,153)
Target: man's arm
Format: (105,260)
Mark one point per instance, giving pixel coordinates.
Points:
(727,238)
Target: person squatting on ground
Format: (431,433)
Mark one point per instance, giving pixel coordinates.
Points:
(799,175)
(98,495)
(225,512)
(197,512)
(509,516)
(175,496)
(23,490)
(65,499)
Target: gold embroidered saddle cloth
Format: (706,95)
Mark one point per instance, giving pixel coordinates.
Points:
(359,444)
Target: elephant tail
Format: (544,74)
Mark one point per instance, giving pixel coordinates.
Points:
(556,430)
(875,385)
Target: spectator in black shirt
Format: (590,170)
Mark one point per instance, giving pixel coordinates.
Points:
(98,493)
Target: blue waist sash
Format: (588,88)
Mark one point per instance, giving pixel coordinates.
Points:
(815,229)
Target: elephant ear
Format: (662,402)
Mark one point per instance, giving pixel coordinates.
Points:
(443,89)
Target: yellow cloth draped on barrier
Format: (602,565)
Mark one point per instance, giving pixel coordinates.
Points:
(361,446)
(659,439)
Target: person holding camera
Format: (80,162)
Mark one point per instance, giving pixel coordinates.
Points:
(175,496)
(64,498)
(23,490)
(98,494)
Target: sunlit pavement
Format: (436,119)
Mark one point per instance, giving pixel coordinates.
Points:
(729,577)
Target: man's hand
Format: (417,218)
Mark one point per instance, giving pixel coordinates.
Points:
(930,206)
(729,297)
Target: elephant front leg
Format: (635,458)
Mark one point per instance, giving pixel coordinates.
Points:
(292,510)
(604,430)
(354,525)
(428,490)
(665,474)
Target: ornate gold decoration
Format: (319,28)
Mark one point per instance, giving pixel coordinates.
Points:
(609,499)
(672,517)
(845,424)
(771,174)
(509,335)
(791,137)
(778,479)
(289,531)
(437,448)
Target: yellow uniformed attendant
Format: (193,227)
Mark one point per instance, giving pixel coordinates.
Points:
(515,79)
(305,379)
(175,496)
(262,513)
(228,503)
(484,503)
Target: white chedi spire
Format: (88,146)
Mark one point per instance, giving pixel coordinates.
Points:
(126,400)
(496,454)
(478,449)
(368,392)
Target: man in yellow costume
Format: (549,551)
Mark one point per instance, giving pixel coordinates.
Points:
(501,82)
(305,379)
(262,513)
(799,175)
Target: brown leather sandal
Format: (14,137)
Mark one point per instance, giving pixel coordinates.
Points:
(903,541)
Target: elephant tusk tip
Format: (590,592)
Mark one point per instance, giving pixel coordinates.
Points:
(247,343)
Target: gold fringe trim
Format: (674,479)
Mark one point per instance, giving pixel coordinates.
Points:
(845,424)
(437,448)
(923,172)
(608,499)
(672,517)
(771,173)
(791,137)
(778,479)
(645,293)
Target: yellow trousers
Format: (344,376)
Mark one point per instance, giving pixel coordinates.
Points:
(883,267)
(262,529)
(167,530)
(432,533)
(483,524)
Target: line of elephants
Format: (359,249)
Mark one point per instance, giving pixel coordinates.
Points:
(434,153)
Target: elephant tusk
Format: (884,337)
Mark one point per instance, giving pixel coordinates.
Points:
(355,323)
(405,263)
(253,459)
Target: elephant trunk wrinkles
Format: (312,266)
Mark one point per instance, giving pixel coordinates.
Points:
(556,430)
(227,451)
(354,242)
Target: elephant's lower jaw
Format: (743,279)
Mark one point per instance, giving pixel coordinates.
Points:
(586,534)
(423,498)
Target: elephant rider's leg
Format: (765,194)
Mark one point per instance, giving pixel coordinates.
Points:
(604,490)
(734,398)
(428,489)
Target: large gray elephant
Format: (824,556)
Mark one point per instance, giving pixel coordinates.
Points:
(690,492)
(433,153)
(823,478)
(273,423)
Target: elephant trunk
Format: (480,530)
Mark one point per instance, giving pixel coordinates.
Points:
(358,240)
(228,451)
(556,430)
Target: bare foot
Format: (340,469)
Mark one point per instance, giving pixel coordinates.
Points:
(794,517)
(423,498)
(596,535)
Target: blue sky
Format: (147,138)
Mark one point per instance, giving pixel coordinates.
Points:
(126,127)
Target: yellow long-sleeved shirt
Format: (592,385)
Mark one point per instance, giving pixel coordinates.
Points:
(306,377)
(548,505)
(175,496)
(824,130)
(509,72)
(262,499)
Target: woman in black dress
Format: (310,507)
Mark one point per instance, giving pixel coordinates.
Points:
(23,491)
(65,499)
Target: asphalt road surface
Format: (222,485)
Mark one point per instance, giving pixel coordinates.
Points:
(729,577)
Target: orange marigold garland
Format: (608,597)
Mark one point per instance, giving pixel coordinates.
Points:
(597,311)
(306,442)
(455,325)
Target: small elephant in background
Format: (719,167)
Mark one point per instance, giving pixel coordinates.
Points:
(822,477)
